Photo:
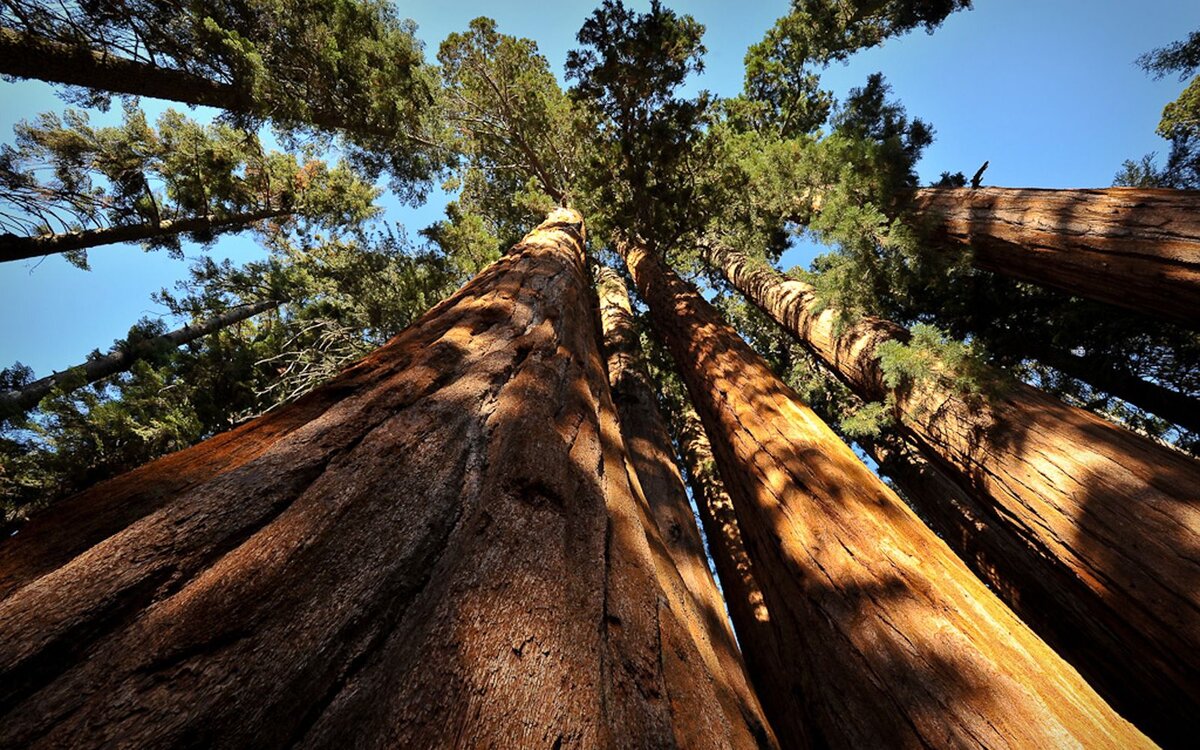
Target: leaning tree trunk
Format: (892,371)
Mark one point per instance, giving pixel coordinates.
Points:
(441,547)
(1170,405)
(1109,518)
(14,247)
(652,455)
(889,640)
(26,55)
(1134,247)
(747,608)
(23,399)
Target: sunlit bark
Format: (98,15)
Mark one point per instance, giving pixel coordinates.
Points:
(441,547)
(1111,518)
(1138,248)
(652,455)
(889,639)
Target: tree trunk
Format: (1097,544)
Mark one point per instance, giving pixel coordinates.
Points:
(889,640)
(26,55)
(14,247)
(441,547)
(1165,403)
(747,608)
(21,400)
(1109,518)
(652,455)
(1138,248)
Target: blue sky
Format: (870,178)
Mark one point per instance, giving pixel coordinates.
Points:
(1046,91)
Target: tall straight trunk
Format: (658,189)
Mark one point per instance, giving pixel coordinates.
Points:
(747,607)
(1138,248)
(14,247)
(441,547)
(888,638)
(1109,518)
(652,455)
(23,399)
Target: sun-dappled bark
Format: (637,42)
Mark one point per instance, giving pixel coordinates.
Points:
(747,608)
(889,639)
(25,398)
(652,455)
(442,546)
(13,247)
(1109,518)
(1138,248)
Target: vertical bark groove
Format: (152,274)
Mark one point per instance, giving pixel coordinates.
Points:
(1137,248)
(425,549)
(890,639)
(653,468)
(1110,518)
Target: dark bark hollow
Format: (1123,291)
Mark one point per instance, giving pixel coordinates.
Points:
(888,638)
(653,457)
(1109,519)
(25,398)
(1138,248)
(441,547)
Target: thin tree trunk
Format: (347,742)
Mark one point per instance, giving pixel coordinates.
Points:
(26,55)
(1112,519)
(652,455)
(1138,248)
(21,400)
(1170,405)
(889,639)
(747,607)
(445,548)
(14,247)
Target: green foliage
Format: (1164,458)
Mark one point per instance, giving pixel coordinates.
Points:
(642,172)
(1180,123)
(92,434)
(65,175)
(930,355)
(347,65)
(511,122)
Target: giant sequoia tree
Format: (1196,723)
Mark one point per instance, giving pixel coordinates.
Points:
(467,524)
(376,583)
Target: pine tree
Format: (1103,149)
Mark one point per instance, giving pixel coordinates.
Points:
(22,399)
(350,67)
(71,186)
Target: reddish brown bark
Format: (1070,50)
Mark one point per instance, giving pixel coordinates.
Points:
(1108,518)
(747,608)
(889,639)
(442,547)
(652,455)
(1134,247)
